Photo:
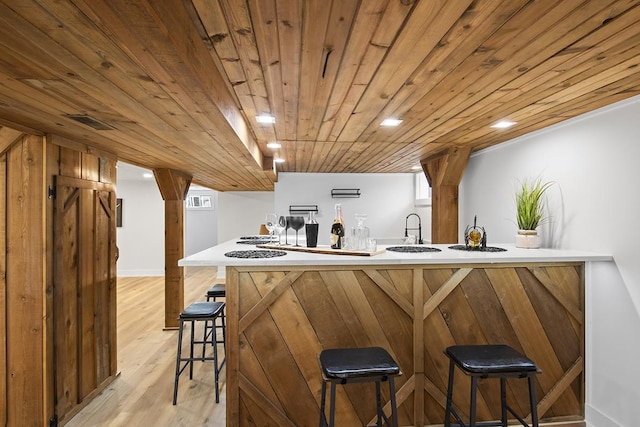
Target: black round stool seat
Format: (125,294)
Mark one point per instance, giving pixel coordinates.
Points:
(357,362)
(357,365)
(488,359)
(216,291)
(202,309)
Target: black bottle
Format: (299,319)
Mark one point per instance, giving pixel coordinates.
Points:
(311,230)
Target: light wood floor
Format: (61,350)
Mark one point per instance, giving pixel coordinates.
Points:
(143,393)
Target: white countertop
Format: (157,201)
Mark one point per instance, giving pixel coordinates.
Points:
(214,256)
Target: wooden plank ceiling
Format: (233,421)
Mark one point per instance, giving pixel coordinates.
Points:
(179,82)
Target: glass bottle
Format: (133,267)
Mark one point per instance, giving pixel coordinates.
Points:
(337,229)
(360,233)
(311,230)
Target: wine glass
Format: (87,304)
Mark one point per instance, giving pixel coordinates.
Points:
(297,222)
(270,223)
(284,223)
(288,226)
(279,228)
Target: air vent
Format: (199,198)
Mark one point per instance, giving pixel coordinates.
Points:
(90,121)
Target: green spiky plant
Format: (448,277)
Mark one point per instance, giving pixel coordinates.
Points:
(530,204)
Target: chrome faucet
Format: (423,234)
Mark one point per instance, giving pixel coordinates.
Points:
(406,227)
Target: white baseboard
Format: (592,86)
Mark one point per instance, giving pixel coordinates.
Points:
(595,418)
(140,273)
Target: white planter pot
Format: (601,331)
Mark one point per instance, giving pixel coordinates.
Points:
(527,239)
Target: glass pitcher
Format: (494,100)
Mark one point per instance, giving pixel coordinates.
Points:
(360,233)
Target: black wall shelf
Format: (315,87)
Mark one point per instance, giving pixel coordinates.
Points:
(300,209)
(338,193)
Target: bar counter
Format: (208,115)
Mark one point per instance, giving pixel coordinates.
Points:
(281,313)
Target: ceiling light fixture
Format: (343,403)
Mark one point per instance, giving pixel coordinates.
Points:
(274,145)
(390,122)
(503,124)
(265,118)
(278,160)
(415,168)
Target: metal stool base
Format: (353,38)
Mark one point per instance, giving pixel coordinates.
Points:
(209,338)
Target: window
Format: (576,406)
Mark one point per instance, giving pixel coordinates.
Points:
(423,190)
(200,201)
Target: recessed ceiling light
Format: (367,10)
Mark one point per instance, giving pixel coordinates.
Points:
(390,122)
(278,160)
(147,175)
(415,168)
(274,145)
(265,118)
(503,124)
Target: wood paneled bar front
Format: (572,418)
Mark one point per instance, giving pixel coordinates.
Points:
(282,312)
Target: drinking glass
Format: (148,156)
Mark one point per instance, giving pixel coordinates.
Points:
(297,222)
(279,228)
(270,223)
(284,223)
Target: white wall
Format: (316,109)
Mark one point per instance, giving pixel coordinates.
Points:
(141,237)
(201,224)
(240,213)
(386,199)
(593,160)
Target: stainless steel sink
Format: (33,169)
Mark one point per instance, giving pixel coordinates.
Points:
(396,241)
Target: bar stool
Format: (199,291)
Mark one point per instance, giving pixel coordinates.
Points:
(216,291)
(356,365)
(490,361)
(198,311)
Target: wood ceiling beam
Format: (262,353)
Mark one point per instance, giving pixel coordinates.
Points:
(173,185)
(20,127)
(152,130)
(7,137)
(162,38)
(444,172)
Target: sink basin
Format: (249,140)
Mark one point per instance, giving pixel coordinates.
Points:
(394,241)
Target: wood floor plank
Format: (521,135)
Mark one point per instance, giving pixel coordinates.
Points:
(142,394)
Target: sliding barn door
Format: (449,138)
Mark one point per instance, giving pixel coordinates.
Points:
(84,292)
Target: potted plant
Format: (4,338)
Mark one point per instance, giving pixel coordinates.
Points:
(530,211)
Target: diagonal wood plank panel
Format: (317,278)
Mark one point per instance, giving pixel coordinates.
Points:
(290,314)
